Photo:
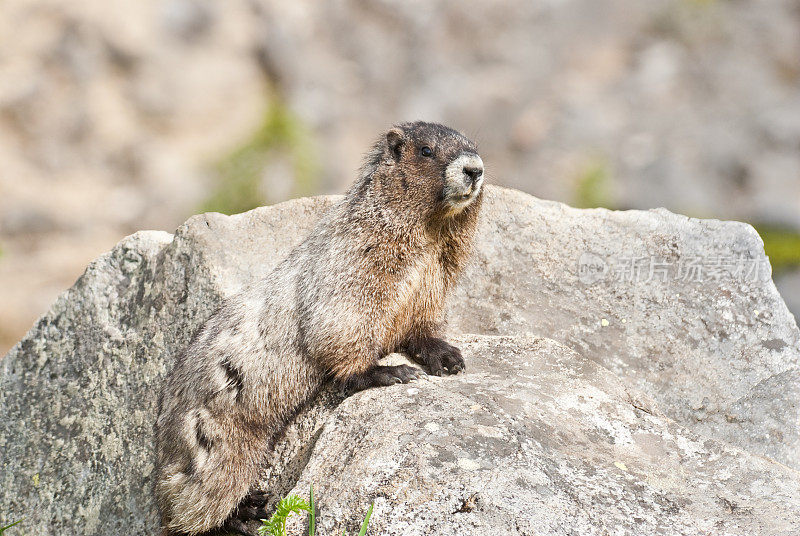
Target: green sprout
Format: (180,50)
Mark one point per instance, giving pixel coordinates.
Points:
(365,524)
(3,529)
(593,185)
(276,525)
(293,504)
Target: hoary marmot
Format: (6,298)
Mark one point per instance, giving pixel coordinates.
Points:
(370,279)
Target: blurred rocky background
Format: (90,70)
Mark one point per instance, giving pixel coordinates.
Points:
(131,114)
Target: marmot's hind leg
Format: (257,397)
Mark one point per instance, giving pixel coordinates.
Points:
(213,490)
(252,508)
(235,526)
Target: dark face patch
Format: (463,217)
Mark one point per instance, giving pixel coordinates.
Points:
(420,153)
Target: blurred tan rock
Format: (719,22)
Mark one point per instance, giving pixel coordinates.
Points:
(112,111)
(109,114)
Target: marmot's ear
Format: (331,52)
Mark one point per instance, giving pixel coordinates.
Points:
(395,140)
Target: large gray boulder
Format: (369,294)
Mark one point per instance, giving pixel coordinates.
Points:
(534,439)
(682,309)
(704,348)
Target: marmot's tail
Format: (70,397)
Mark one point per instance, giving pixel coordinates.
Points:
(200,496)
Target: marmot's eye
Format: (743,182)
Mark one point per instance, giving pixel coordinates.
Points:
(426,151)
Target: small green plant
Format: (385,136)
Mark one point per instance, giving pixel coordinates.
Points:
(313,521)
(238,175)
(365,524)
(293,504)
(3,529)
(782,246)
(592,187)
(276,525)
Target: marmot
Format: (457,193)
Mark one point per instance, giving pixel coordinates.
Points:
(370,279)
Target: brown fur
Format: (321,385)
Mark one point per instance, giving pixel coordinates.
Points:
(370,279)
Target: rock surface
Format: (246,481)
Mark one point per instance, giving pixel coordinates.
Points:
(682,309)
(534,439)
(673,389)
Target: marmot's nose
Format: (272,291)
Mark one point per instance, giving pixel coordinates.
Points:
(473,172)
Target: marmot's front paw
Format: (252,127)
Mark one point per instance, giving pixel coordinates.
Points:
(382,376)
(390,375)
(439,356)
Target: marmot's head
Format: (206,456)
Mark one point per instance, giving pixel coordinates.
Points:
(427,166)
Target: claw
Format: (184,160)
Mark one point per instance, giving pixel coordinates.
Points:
(437,355)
